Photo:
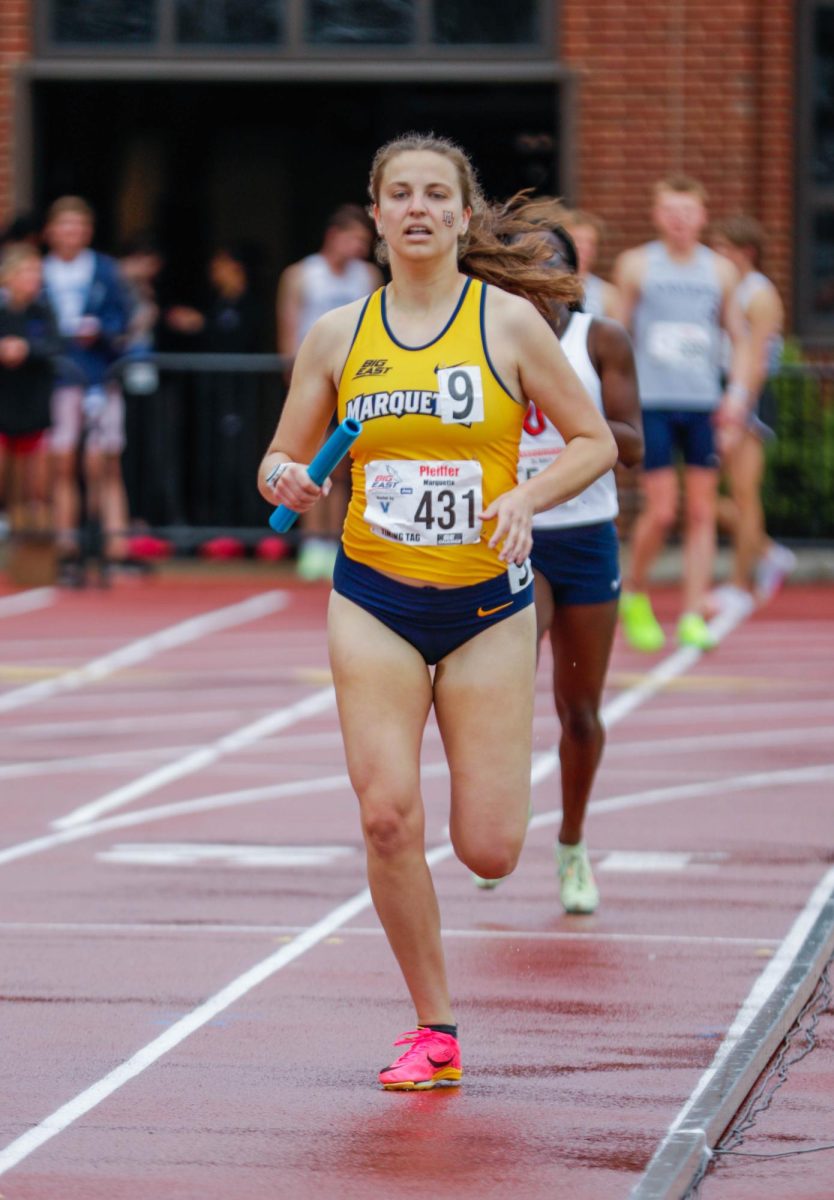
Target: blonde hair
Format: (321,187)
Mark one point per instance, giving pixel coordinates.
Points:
(70,204)
(14,255)
(580,217)
(494,248)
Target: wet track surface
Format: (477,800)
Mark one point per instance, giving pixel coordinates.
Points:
(582,1037)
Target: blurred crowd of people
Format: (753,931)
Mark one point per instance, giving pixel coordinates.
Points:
(71,315)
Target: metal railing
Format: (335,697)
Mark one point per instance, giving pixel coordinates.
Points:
(195,439)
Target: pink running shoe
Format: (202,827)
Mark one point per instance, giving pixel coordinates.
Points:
(431,1060)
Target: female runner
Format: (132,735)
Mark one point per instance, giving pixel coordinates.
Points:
(432,593)
(575,557)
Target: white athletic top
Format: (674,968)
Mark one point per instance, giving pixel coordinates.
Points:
(541,442)
(594,302)
(68,284)
(322,289)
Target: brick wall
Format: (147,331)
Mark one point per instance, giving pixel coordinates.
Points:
(695,85)
(698,86)
(15,47)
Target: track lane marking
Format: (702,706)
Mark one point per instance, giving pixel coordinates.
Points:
(612,712)
(144,648)
(30,601)
(94,1095)
(196,760)
(547,935)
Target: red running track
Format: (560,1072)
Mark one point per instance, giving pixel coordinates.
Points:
(193,861)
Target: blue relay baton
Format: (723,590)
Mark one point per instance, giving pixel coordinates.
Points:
(330,455)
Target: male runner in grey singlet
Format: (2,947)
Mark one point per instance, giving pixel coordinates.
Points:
(676,295)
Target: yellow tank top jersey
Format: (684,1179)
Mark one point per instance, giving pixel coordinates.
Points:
(439,442)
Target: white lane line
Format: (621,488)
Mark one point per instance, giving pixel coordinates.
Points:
(618,707)
(756,1000)
(144,648)
(198,759)
(89,762)
(612,712)
(376,931)
(163,812)
(109,727)
(23,602)
(92,1096)
(722,741)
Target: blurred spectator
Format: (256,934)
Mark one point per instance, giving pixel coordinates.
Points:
(140,264)
(28,343)
(93,313)
(677,295)
(338,274)
(225,431)
(25,227)
(232,322)
(759,563)
(587,231)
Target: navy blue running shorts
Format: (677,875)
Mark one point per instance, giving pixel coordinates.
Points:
(666,430)
(435,621)
(581,564)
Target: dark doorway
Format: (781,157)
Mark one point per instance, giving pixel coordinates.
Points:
(200,163)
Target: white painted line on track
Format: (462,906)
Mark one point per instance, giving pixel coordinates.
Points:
(24,602)
(105,761)
(547,935)
(614,710)
(282,718)
(94,1095)
(146,647)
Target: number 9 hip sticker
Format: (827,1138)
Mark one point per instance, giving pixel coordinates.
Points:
(460,395)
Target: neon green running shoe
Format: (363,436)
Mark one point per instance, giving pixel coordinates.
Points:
(640,625)
(694,631)
(577,889)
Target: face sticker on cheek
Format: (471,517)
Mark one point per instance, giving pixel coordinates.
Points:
(448,217)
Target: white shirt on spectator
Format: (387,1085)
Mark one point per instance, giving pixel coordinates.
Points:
(68,284)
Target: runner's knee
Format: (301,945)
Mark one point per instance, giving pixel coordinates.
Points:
(580,721)
(390,827)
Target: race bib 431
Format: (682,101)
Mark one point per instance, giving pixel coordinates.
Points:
(424,503)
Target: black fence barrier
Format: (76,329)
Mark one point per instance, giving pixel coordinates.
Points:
(198,424)
(799,478)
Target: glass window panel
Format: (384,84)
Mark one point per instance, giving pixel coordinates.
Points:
(822,265)
(131,22)
(486,22)
(230,22)
(823,97)
(368,22)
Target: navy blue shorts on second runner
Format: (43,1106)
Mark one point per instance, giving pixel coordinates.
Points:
(666,430)
(581,564)
(434,620)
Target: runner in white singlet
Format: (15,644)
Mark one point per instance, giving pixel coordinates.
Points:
(759,563)
(337,274)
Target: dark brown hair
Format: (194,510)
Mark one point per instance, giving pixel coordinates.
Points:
(681,183)
(742,231)
(493,249)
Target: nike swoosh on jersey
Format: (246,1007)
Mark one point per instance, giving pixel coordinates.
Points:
(487,612)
